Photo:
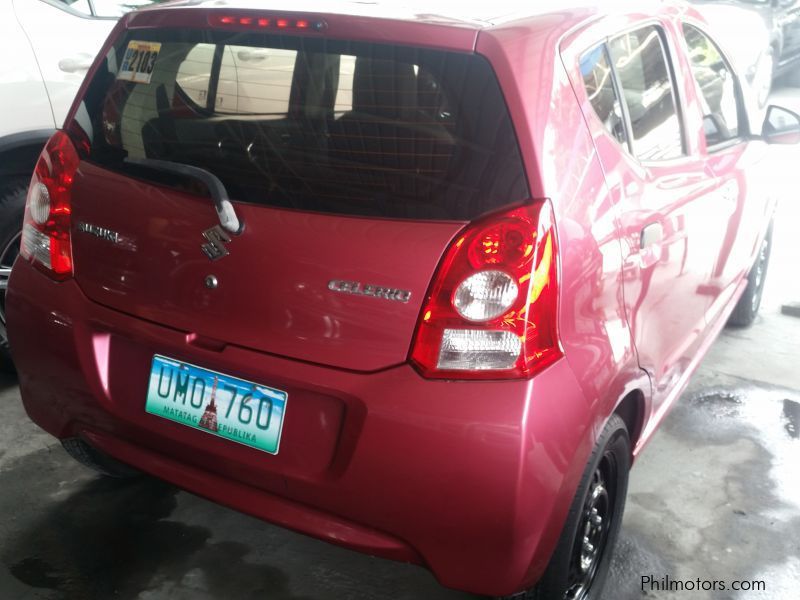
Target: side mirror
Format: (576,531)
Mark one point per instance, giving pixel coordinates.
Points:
(781,126)
(715,129)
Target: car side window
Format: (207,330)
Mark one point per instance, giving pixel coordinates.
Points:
(598,80)
(105,8)
(81,6)
(251,80)
(640,60)
(717,87)
(117,8)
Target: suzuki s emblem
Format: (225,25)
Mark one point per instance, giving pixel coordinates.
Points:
(215,247)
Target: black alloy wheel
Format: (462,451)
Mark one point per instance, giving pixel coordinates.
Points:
(591,541)
(746,310)
(580,563)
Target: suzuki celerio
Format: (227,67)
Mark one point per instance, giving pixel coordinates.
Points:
(422,285)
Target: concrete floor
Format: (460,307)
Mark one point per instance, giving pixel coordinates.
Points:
(716,495)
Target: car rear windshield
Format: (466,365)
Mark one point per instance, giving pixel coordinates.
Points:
(311,124)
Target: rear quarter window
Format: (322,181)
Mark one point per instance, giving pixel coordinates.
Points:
(598,81)
(251,80)
(312,124)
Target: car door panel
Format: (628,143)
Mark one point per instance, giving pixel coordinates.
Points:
(742,212)
(20,78)
(65,44)
(664,298)
(665,212)
(735,163)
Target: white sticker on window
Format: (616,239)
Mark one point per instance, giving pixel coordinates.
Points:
(139,61)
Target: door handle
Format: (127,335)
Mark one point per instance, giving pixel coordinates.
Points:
(246,55)
(73,64)
(652,234)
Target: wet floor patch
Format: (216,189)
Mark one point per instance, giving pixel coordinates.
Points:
(68,534)
(633,558)
(720,413)
(791,415)
(717,493)
(84,537)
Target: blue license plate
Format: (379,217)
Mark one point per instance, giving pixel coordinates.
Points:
(225,406)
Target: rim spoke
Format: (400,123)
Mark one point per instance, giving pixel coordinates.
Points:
(7,257)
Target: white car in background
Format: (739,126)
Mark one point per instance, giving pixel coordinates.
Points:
(747,41)
(47,47)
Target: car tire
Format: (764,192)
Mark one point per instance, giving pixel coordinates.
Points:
(747,308)
(98,461)
(578,568)
(12,209)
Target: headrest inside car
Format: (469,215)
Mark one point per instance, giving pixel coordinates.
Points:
(384,88)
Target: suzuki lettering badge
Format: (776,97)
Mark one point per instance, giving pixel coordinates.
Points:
(103,233)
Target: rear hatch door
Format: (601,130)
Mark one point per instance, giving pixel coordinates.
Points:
(352,166)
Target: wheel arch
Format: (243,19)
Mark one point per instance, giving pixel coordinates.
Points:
(19,151)
(631,409)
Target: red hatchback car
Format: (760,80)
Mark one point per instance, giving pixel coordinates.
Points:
(419,285)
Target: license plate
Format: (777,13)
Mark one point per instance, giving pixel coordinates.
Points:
(225,406)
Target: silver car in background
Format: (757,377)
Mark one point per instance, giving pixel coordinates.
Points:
(762,36)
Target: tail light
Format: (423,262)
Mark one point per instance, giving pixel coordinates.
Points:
(491,312)
(46,240)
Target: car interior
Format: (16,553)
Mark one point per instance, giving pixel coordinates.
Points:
(359,129)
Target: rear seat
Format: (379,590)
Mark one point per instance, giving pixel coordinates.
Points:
(388,144)
(387,140)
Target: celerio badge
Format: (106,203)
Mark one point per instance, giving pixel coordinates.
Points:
(215,247)
(367,289)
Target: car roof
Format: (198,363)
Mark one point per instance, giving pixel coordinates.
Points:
(457,13)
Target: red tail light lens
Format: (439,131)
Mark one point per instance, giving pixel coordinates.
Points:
(491,312)
(46,240)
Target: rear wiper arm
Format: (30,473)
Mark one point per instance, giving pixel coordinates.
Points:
(225,211)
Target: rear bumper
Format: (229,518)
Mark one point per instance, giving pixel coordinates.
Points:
(472,479)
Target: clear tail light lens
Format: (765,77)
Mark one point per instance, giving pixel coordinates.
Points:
(475,350)
(40,203)
(46,239)
(491,312)
(485,295)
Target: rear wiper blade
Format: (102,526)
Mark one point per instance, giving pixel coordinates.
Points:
(225,211)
